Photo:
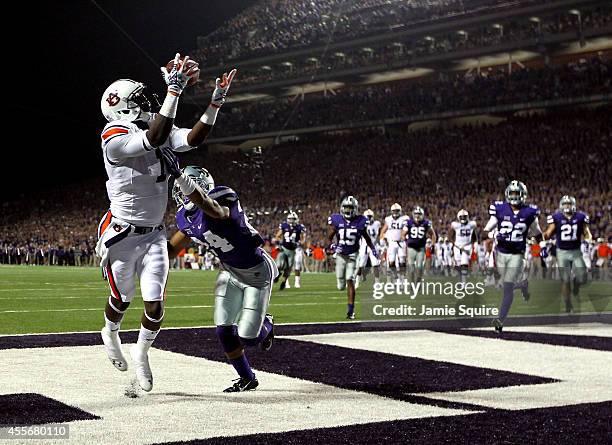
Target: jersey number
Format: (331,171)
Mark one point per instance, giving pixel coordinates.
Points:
(290,237)
(569,232)
(516,231)
(417,232)
(347,236)
(217,242)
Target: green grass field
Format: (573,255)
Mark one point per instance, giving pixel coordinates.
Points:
(55,299)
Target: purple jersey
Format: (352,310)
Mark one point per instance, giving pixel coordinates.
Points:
(569,231)
(348,232)
(291,234)
(513,228)
(416,235)
(233,240)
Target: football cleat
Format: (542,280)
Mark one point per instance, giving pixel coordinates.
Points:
(242,384)
(297,286)
(112,343)
(283,285)
(277,278)
(266,343)
(350,316)
(143,370)
(498,325)
(569,307)
(525,290)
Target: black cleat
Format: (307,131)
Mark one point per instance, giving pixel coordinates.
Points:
(350,316)
(242,384)
(266,343)
(283,284)
(498,325)
(276,279)
(569,308)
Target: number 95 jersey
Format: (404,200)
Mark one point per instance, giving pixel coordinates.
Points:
(513,228)
(348,232)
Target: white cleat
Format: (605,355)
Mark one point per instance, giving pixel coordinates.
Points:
(143,370)
(296,286)
(287,285)
(112,343)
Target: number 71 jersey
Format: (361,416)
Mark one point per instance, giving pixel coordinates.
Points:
(348,232)
(513,228)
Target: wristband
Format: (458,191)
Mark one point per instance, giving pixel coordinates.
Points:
(210,115)
(186,184)
(168,108)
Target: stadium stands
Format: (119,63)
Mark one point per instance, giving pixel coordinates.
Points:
(440,170)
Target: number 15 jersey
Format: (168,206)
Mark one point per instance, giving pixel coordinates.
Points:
(348,232)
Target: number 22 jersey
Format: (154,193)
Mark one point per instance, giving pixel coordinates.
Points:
(513,228)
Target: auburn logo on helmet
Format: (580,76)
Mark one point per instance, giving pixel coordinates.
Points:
(112,99)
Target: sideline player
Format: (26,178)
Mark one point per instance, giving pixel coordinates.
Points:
(131,235)
(348,227)
(213,216)
(514,221)
(570,227)
(463,237)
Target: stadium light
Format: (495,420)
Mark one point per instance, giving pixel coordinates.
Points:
(574,12)
(429,38)
(534,19)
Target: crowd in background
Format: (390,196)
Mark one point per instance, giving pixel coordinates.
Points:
(390,53)
(441,170)
(435,93)
(272,26)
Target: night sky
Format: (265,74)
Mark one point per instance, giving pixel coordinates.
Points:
(55,85)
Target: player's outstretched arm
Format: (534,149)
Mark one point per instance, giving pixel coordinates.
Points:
(550,230)
(178,242)
(200,130)
(162,123)
(382,232)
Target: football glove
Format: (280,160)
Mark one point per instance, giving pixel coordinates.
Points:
(221,88)
(176,78)
(170,161)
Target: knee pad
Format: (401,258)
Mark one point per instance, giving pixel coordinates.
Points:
(228,337)
(157,313)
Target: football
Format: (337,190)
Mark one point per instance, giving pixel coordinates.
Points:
(192,69)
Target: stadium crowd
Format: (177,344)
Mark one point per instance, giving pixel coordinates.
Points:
(442,92)
(442,170)
(394,52)
(272,26)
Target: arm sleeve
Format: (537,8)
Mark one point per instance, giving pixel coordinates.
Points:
(178,140)
(491,224)
(120,144)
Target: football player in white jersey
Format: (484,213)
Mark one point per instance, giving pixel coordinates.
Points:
(463,237)
(365,253)
(391,233)
(131,236)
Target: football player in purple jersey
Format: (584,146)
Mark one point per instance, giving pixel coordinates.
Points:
(570,227)
(415,232)
(515,221)
(348,227)
(213,216)
(290,236)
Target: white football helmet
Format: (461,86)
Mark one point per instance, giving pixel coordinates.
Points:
(369,213)
(418,214)
(463,216)
(201,177)
(127,100)
(567,205)
(516,193)
(292,218)
(396,210)
(349,207)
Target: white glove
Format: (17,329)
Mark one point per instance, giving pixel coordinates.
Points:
(218,97)
(221,88)
(177,78)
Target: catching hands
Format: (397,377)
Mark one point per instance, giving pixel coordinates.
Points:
(221,88)
(178,77)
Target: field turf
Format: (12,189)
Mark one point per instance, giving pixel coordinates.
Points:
(55,299)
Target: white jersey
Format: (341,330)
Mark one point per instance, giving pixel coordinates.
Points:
(463,233)
(373,230)
(394,227)
(137,184)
